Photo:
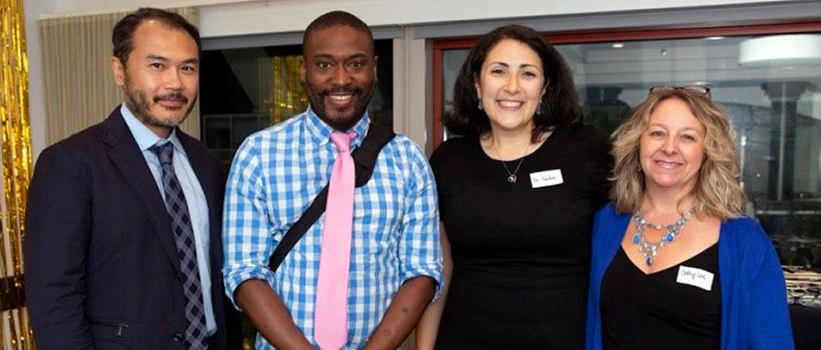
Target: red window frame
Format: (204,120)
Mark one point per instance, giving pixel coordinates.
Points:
(583,37)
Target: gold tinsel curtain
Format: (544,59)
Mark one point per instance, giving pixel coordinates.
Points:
(287,96)
(15,332)
(80,90)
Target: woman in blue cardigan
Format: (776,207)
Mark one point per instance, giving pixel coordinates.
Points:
(674,263)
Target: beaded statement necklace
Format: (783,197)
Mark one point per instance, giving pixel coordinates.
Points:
(650,249)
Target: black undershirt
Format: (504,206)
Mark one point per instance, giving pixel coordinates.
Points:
(654,311)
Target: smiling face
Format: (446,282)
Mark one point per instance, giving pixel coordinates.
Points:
(672,147)
(510,85)
(161,76)
(339,70)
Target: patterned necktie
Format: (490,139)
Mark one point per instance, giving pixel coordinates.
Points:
(331,315)
(196,336)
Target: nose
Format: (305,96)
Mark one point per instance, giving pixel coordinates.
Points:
(173,80)
(512,85)
(669,145)
(341,77)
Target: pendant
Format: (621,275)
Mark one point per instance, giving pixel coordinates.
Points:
(511,178)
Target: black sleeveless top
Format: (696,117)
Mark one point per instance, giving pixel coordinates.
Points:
(655,311)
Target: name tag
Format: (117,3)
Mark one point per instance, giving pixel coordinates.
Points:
(695,277)
(546,178)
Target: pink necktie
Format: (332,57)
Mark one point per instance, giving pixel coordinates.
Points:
(331,315)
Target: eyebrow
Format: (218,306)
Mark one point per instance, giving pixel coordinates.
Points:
(685,129)
(521,65)
(165,59)
(332,57)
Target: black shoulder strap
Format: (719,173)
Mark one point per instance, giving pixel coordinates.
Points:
(365,159)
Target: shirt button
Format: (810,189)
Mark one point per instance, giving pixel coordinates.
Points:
(178,337)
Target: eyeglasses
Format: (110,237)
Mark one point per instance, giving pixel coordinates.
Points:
(695,89)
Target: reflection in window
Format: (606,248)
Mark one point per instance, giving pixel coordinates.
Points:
(774,105)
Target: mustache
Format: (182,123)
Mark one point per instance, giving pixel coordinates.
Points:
(171,96)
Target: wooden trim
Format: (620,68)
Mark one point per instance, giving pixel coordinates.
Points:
(438,104)
(584,37)
(451,44)
(562,38)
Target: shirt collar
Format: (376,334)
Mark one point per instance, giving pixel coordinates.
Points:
(144,136)
(321,132)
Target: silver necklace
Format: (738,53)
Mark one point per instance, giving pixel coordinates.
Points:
(511,176)
(650,249)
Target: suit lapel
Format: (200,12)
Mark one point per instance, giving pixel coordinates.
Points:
(126,156)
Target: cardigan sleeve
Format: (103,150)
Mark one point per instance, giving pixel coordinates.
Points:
(769,326)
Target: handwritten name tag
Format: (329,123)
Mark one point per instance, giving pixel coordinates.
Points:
(546,178)
(695,277)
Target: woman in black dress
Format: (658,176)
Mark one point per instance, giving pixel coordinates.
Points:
(517,196)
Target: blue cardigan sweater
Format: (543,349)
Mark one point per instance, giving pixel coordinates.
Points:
(754,311)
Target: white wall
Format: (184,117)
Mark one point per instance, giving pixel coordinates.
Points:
(294,15)
(239,17)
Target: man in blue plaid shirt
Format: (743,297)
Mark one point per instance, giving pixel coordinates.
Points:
(395,265)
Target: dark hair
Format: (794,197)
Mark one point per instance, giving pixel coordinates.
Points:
(123,36)
(560,106)
(335,18)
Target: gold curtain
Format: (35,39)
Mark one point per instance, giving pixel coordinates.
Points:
(80,90)
(288,97)
(16,164)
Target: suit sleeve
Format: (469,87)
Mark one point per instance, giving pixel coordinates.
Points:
(58,231)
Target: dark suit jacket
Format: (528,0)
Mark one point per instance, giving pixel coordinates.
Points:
(101,268)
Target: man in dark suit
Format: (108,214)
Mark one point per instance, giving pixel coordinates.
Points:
(123,247)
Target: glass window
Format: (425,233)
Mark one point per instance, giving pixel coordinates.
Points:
(248,89)
(771,97)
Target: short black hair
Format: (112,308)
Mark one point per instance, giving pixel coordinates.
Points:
(123,36)
(560,104)
(336,18)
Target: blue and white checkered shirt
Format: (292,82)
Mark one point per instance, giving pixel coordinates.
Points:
(275,176)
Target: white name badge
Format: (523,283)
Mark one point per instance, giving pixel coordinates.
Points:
(546,178)
(695,277)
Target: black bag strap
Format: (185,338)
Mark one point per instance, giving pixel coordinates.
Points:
(365,158)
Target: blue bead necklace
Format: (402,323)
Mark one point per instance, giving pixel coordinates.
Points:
(650,249)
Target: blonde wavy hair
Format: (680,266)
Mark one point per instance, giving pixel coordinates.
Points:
(717,192)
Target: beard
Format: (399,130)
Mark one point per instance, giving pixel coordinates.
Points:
(140,105)
(339,120)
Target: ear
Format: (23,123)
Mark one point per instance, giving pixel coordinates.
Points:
(302,73)
(375,61)
(544,91)
(478,87)
(118,70)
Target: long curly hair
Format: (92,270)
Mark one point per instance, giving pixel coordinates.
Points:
(560,104)
(717,192)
